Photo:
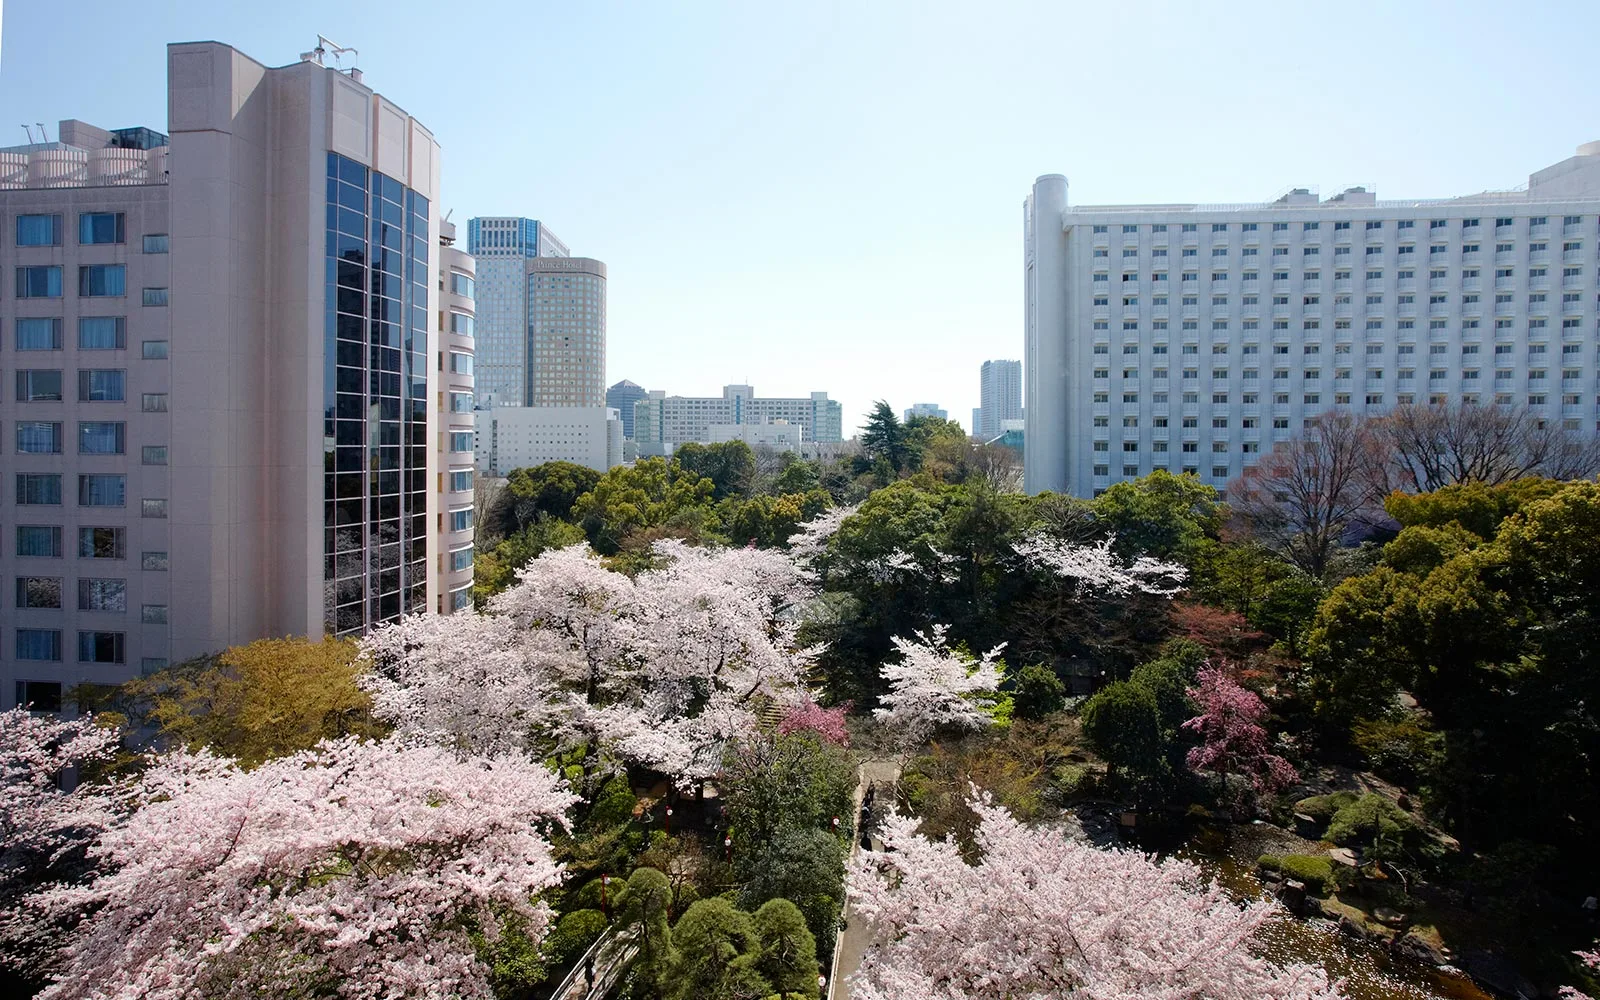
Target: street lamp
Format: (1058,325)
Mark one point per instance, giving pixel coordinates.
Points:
(666,824)
(605,903)
(727,847)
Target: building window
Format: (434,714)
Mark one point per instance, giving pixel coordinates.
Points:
(155,297)
(100,227)
(38,437)
(100,647)
(102,595)
(102,543)
(460,364)
(39,282)
(153,508)
(155,243)
(153,614)
(460,402)
(38,230)
(460,441)
(95,280)
(461,520)
(152,664)
(38,334)
(38,592)
(154,350)
(153,402)
(101,385)
(461,559)
(461,284)
(153,562)
(461,481)
(41,488)
(39,541)
(102,333)
(461,324)
(39,644)
(154,454)
(102,437)
(102,490)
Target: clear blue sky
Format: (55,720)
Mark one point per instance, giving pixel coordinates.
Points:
(828,195)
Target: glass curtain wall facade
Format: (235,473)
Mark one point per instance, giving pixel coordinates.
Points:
(375,399)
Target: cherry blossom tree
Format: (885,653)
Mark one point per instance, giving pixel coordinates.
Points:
(932,685)
(1590,959)
(45,832)
(1039,916)
(351,870)
(1233,739)
(1097,567)
(811,538)
(827,723)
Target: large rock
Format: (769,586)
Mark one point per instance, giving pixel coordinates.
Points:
(1419,949)
(1389,917)
(1343,856)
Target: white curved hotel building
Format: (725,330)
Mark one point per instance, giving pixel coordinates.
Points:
(1192,337)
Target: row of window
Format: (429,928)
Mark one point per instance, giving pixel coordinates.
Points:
(94,490)
(95,437)
(43,541)
(1341,398)
(94,229)
(93,647)
(43,593)
(95,385)
(1371,225)
(95,333)
(1535,351)
(43,281)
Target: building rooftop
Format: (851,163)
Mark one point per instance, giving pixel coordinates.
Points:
(86,156)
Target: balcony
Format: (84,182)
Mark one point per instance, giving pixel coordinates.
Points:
(1571,281)
(1160,384)
(1343,285)
(1572,256)
(1538,306)
(1505,257)
(1438,308)
(1160,312)
(1374,284)
(1470,259)
(1539,232)
(1102,312)
(1472,284)
(1251,238)
(1158,239)
(1102,239)
(1407,310)
(1280,286)
(1191,312)
(1406,385)
(1575,229)
(1574,410)
(1505,308)
(1539,257)
(1505,284)
(1250,287)
(1504,232)
(1472,232)
(1219,288)
(1311,287)
(1190,239)
(1407,284)
(1541,282)
(1343,310)
(1280,237)
(1130,312)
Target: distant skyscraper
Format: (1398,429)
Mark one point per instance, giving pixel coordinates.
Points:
(926,410)
(1001,397)
(621,398)
(977,419)
(502,247)
(566,332)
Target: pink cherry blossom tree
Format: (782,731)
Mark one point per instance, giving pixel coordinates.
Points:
(352,870)
(45,832)
(932,685)
(827,723)
(1040,916)
(1233,740)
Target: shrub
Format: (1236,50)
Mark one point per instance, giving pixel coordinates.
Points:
(1404,750)
(1371,819)
(573,934)
(1316,871)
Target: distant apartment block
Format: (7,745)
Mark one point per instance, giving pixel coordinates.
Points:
(662,422)
(926,410)
(1194,337)
(1000,397)
(224,417)
(520,437)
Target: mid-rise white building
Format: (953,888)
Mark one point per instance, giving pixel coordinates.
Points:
(566,332)
(228,420)
(777,436)
(1193,337)
(520,437)
(1000,397)
(661,421)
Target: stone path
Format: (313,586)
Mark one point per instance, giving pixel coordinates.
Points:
(852,942)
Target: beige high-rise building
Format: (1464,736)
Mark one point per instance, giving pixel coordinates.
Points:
(566,331)
(228,421)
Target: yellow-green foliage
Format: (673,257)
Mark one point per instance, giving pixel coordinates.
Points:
(1316,871)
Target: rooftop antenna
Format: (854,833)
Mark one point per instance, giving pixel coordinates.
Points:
(327,44)
(28,129)
(44,134)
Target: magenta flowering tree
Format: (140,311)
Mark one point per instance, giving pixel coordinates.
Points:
(1039,916)
(350,870)
(1233,740)
(827,723)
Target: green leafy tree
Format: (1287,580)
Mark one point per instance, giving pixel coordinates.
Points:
(1123,724)
(768,521)
(495,570)
(630,499)
(719,955)
(730,465)
(804,867)
(884,439)
(788,949)
(547,490)
(1161,515)
(645,905)
(796,476)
